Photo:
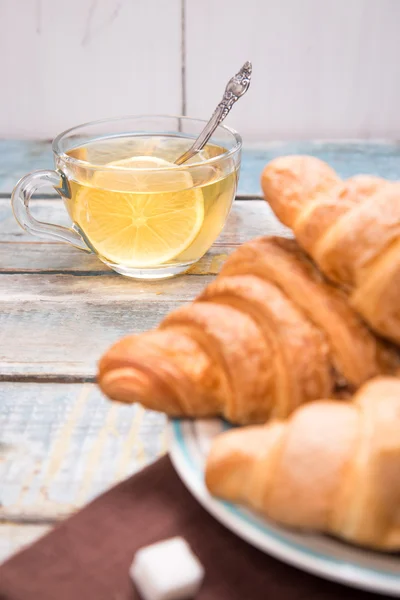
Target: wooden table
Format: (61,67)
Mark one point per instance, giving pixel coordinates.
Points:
(61,441)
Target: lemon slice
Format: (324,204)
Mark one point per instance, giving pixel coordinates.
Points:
(148,226)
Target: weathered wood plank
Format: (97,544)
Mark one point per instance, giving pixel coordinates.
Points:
(36,257)
(25,257)
(105,290)
(346,157)
(62,445)
(57,326)
(246,220)
(14,537)
(18,157)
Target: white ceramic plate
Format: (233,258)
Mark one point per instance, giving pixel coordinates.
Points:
(318,554)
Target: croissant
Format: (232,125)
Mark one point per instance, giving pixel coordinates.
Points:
(331,466)
(350,228)
(267,336)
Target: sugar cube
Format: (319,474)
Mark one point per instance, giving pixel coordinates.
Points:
(167,570)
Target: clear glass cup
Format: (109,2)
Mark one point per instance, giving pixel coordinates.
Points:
(141,215)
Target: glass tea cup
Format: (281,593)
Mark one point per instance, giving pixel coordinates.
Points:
(129,204)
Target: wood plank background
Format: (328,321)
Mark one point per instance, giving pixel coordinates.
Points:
(83,60)
(321,69)
(61,442)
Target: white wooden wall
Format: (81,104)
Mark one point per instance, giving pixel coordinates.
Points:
(322,68)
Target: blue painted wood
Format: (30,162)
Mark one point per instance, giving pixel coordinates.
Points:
(18,157)
(347,158)
(63,444)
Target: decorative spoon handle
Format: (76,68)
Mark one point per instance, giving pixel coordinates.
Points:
(237,87)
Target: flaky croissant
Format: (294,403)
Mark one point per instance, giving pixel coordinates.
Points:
(350,228)
(332,467)
(268,335)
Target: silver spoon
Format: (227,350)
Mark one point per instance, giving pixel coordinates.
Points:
(237,87)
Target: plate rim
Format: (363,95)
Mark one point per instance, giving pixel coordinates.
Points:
(269,542)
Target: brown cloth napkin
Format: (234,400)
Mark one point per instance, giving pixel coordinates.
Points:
(87,557)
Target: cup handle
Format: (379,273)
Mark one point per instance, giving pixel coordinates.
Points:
(20,199)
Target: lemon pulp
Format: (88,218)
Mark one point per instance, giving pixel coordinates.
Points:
(147,227)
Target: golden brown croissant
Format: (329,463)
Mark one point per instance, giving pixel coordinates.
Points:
(268,335)
(355,352)
(350,228)
(332,467)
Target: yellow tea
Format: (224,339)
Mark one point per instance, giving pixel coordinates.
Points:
(138,210)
